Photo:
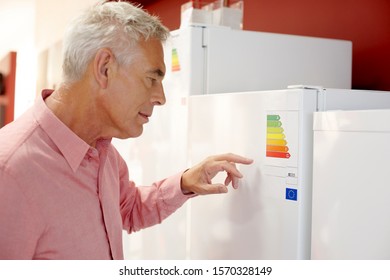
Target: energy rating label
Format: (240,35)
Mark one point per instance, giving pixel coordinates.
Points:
(276,139)
(175,61)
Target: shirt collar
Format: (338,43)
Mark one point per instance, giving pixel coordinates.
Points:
(72,147)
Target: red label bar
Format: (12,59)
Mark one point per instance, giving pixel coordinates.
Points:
(277,154)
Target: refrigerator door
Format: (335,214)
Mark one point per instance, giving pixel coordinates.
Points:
(184,56)
(344,99)
(350,185)
(246,60)
(268,216)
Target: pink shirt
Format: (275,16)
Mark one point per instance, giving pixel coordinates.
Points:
(62,199)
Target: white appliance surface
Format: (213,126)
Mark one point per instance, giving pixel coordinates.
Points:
(269,216)
(350,185)
(277,60)
(262,219)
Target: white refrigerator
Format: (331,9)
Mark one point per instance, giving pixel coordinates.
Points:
(206,60)
(269,216)
(217,59)
(351,190)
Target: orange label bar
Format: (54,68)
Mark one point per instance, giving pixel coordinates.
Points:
(277,148)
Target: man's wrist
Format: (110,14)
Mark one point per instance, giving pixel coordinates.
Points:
(183,185)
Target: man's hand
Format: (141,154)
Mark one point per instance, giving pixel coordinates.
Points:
(198,178)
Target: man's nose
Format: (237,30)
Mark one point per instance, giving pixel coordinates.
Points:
(158,96)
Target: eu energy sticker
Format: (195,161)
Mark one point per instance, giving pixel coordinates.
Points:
(175,61)
(276,138)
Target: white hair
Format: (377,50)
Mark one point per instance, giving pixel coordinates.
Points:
(114,25)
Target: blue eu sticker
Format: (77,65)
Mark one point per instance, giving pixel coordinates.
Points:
(291,194)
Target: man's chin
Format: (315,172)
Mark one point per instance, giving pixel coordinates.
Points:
(134,134)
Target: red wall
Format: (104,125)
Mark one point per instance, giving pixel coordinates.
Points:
(8,68)
(364,22)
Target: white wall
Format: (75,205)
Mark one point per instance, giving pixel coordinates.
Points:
(17,34)
(16,24)
(29,27)
(52,17)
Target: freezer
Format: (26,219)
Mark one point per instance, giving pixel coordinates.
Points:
(350,185)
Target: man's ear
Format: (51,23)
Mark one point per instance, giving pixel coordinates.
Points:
(103,63)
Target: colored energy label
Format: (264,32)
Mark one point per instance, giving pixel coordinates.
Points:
(276,140)
(175,61)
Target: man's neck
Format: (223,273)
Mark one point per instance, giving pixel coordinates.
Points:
(75,106)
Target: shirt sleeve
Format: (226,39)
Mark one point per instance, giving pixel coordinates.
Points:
(20,226)
(144,206)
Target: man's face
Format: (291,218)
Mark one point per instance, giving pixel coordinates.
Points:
(134,90)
